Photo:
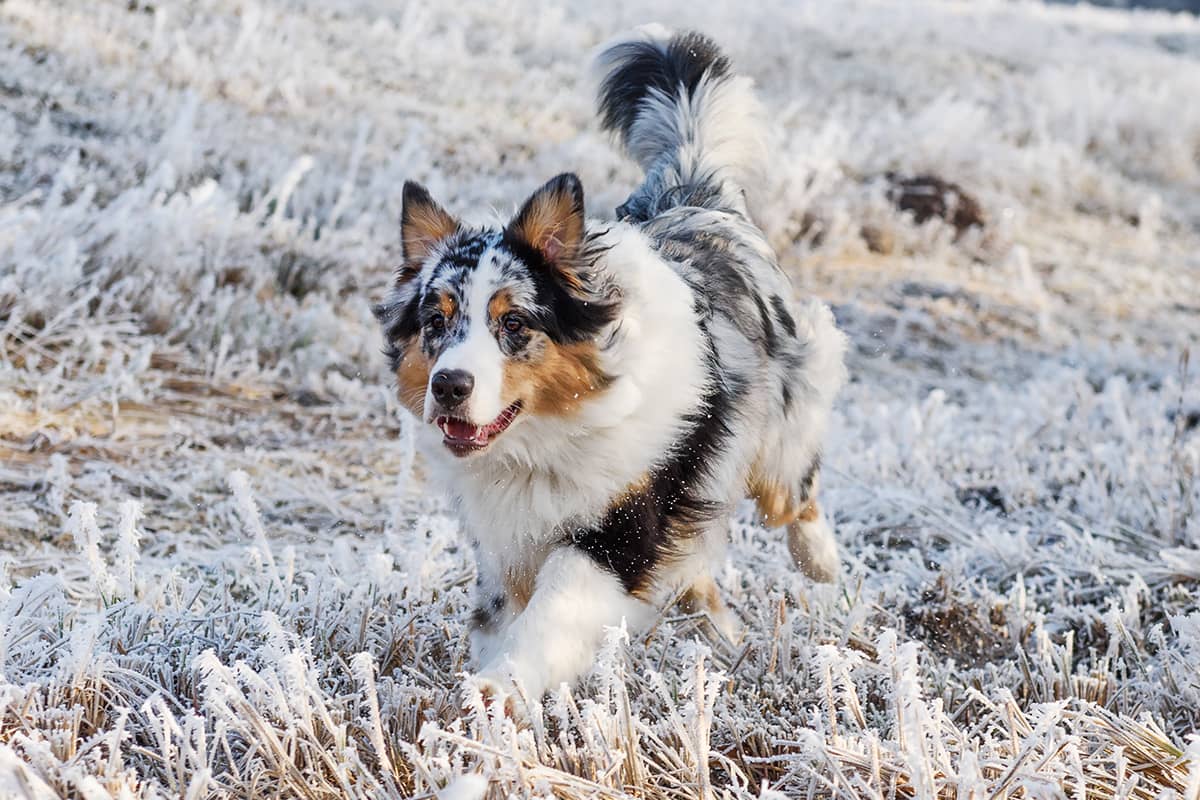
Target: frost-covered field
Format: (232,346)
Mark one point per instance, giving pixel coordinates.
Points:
(222,576)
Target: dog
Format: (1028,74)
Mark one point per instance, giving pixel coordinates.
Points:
(598,396)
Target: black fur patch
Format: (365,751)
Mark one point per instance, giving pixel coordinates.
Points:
(561,315)
(641,530)
(464,253)
(642,67)
(653,198)
(781,314)
(770,340)
(713,255)
(484,616)
(805,491)
(399,324)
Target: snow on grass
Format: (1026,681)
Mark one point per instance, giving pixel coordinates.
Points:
(221,575)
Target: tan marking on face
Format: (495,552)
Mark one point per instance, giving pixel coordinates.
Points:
(412,377)
(500,304)
(447,305)
(557,383)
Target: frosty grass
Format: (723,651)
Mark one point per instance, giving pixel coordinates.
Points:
(222,577)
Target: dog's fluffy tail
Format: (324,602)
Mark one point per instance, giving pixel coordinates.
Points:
(695,128)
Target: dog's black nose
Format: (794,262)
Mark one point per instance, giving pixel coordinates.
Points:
(452,386)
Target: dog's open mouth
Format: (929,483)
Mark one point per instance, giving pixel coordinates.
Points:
(463,438)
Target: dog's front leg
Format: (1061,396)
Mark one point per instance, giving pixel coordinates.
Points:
(494,610)
(555,638)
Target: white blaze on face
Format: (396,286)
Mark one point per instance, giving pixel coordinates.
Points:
(478,353)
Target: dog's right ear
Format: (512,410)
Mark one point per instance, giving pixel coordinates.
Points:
(423,224)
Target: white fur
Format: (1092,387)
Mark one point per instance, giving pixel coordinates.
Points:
(544,472)
(478,353)
(555,638)
(719,131)
(813,547)
(546,476)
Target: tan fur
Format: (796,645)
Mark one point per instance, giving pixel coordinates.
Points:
(638,487)
(558,382)
(412,377)
(500,304)
(446,305)
(800,547)
(646,588)
(422,227)
(550,224)
(520,578)
(702,596)
(774,501)
(518,586)
(779,508)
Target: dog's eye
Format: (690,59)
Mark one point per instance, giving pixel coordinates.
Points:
(437,323)
(513,324)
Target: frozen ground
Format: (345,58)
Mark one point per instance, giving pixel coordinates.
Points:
(223,575)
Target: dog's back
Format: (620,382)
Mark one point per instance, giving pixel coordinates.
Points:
(697,131)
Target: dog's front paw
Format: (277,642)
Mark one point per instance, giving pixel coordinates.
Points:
(497,695)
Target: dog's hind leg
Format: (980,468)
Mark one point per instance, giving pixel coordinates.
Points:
(703,597)
(812,545)
(793,504)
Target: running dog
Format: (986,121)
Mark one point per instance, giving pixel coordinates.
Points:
(597,396)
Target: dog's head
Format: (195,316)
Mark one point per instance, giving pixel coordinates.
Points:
(488,328)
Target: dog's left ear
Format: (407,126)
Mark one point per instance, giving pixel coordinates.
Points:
(551,222)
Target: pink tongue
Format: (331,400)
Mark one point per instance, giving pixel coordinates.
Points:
(459,429)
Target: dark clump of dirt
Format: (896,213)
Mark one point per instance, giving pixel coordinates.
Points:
(299,275)
(982,497)
(928,197)
(1188,419)
(956,627)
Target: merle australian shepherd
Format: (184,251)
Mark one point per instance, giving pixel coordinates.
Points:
(598,396)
